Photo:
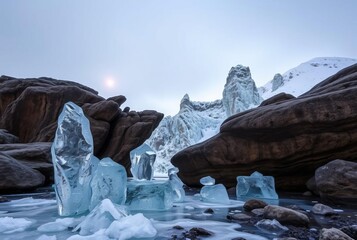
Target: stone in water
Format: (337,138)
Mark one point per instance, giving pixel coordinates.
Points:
(207,181)
(149,195)
(72,152)
(176,185)
(142,162)
(109,181)
(214,194)
(256,186)
(271,226)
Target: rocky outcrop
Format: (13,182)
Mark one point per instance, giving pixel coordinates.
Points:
(287,139)
(336,182)
(29,109)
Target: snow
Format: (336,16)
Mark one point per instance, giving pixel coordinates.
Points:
(12,225)
(46,237)
(60,224)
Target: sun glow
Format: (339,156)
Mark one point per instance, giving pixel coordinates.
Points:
(109,83)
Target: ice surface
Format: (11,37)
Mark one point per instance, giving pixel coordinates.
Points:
(46,237)
(142,162)
(72,152)
(101,217)
(256,186)
(109,181)
(11,225)
(271,226)
(59,225)
(207,181)
(149,195)
(176,185)
(214,194)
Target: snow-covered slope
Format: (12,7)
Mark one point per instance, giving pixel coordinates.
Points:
(198,121)
(302,78)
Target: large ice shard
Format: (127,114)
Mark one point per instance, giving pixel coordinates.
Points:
(101,217)
(256,186)
(213,193)
(109,181)
(142,162)
(176,185)
(72,157)
(149,195)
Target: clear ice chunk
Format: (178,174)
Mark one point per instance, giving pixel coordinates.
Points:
(109,181)
(142,162)
(149,195)
(256,186)
(176,185)
(72,156)
(214,194)
(101,217)
(207,181)
(271,226)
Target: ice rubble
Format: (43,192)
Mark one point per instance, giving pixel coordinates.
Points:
(213,193)
(256,186)
(11,225)
(142,162)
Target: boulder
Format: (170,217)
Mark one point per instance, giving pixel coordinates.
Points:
(288,138)
(333,234)
(29,109)
(286,216)
(254,204)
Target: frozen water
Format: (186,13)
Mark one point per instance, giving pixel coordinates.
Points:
(214,194)
(271,226)
(12,225)
(256,186)
(176,185)
(207,181)
(149,195)
(109,181)
(101,217)
(72,152)
(46,237)
(142,162)
(59,225)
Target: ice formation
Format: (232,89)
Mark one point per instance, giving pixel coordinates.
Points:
(72,152)
(176,185)
(109,181)
(142,162)
(60,224)
(11,225)
(101,217)
(256,186)
(149,195)
(213,193)
(271,226)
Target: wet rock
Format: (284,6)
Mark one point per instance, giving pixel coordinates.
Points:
(322,209)
(350,231)
(209,211)
(196,232)
(286,215)
(239,217)
(6,137)
(253,204)
(258,211)
(177,227)
(333,234)
(289,139)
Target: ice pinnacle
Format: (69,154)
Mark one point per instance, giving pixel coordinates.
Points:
(142,162)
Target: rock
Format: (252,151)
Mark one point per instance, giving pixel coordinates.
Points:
(197,231)
(278,98)
(337,182)
(288,140)
(271,226)
(333,234)
(3,199)
(350,231)
(239,217)
(6,137)
(209,211)
(16,176)
(30,108)
(254,204)
(322,209)
(286,216)
(258,211)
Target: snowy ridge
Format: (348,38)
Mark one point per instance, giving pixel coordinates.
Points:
(302,78)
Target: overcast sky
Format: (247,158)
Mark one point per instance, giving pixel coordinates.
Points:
(155,51)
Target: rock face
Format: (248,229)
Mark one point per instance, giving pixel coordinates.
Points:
(29,109)
(337,181)
(286,139)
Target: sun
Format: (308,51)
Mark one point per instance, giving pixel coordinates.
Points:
(109,83)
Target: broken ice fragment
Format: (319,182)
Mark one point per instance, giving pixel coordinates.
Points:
(214,194)
(101,217)
(142,162)
(72,152)
(271,226)
(256,186)
(149,195)
(207,181)
(109,181)
(176,185)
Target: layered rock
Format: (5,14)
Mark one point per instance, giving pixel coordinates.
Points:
(29,109)
(287,139)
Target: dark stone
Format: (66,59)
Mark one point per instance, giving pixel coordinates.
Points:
(239,217)
(286,139)
(333,234)
(209,211)
(253,204)
(177,227)
(6,137)
(286,216)
(350,231)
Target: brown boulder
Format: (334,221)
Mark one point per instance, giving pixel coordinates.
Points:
(286,215)
(287,139)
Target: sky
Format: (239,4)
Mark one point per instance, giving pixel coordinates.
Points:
(155,51)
